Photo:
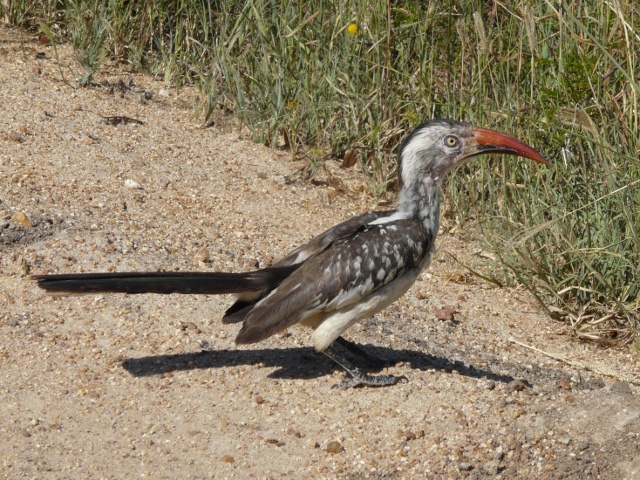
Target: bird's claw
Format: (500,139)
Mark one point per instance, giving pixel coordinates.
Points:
(370,381)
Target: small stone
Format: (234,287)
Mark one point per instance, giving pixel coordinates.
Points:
(406,435)
(516,386)
(565,383)
(621,387)
(583,445)
(595,384)
(334,447)
(227,459)
(25,269)
(259,399)
(193,327)
(445,313)
(21,219)
(203,256)
(132,184)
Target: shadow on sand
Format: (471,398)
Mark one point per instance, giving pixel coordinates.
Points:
(297,363)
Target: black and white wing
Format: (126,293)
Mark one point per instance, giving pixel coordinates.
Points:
(344,274)
(338,233)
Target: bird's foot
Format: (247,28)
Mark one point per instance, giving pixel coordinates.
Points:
(358,377)
(370,381)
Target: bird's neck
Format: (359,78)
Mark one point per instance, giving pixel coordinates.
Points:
(421,200)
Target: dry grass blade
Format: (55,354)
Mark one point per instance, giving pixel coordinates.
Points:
(634,378)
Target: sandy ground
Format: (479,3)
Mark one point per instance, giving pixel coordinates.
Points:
(116,386)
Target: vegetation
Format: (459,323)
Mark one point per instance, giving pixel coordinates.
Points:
(321,76)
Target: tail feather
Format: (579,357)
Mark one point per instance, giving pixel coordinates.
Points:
(165,282)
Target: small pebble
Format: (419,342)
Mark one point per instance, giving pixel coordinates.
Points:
(583,445)
(334,447)
(21,219)
(565,383)
(621,387)
(516,386)
(132,184)
(445,313)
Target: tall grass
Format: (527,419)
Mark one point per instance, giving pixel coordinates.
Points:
(320,76)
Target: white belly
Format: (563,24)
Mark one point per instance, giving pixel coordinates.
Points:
(330,325)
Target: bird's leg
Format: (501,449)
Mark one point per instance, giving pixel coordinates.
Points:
(359,378)
(358,351)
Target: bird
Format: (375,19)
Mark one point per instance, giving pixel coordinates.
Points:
(344,275)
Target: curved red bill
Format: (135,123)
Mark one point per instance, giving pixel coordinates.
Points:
(490,141)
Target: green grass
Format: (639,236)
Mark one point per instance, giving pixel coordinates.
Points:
(562,75)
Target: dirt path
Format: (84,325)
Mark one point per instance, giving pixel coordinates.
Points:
(119,386)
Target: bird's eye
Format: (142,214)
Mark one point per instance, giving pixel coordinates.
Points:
(451,141)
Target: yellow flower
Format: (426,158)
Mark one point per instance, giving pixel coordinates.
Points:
(352,29)
(292,104)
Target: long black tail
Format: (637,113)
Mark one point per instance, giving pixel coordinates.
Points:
(165,282)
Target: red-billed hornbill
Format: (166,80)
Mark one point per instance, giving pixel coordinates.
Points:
(346,274)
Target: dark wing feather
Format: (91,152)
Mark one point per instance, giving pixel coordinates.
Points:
(339,276)
(320,243)
(338,233)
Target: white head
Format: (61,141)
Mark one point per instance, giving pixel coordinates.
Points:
(437,146)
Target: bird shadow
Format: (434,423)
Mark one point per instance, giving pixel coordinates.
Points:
(298,362)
